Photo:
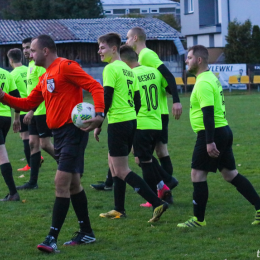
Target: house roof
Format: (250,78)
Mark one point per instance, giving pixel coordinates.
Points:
(137,2)
(83,30)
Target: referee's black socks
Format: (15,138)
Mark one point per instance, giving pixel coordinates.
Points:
(244,187)
(7,172)
(35,160)
(141,187)
(80,204)
(60,210)
(200,199)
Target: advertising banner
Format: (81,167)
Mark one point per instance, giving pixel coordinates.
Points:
(223,71)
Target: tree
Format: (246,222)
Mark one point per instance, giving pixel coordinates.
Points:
(52,9)
(239,42)
(255,48)
(170,20)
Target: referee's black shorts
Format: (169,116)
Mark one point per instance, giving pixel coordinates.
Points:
(69,147)
(38,126)
(5,123)
(164,133)
(120,137)
(24,127)
(144,143)
(223,139)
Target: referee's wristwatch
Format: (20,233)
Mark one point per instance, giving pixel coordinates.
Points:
(102,114)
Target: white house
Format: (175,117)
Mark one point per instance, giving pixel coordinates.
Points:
(148,8)
(205,22)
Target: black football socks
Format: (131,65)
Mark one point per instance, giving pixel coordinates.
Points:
(7,172)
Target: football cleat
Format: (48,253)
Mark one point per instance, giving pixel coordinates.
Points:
(27,186)
(9,197)
(49,245)
(24,169)
(81,238)
(158,211)
(165,194)
(257,218)
(113,214)
(146,205)
(192,222)
(101,186)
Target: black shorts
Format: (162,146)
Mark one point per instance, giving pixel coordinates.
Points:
(223,139)
(38,126)
(120,137)
(5,123)
(164,133)
(144,143)
(69,147)
(24,127)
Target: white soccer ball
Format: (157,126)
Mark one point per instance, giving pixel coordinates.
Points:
(81,112)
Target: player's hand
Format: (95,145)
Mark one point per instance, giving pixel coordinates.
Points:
(16,126)
(2,93)
(212,150)
(28,117)
(97,132)
(94,123)
(177,110)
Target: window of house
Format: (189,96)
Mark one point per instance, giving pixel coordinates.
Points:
(134,11)
(208,12)
(188,6)
(154,10)
(118,11)
(108,12)
(167,10)
(144,11)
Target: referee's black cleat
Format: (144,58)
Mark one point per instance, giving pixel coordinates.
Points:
(81,238)
(27,186)
(49,245)
(172,183)
(101,186)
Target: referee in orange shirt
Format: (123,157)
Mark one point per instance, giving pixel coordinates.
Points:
(61,88)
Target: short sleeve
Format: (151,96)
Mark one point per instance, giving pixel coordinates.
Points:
(11,84)
(109,77)
(150,59)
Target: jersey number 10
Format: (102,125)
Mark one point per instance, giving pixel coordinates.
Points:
(151,100)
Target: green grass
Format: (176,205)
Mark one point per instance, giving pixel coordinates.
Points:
(228,234)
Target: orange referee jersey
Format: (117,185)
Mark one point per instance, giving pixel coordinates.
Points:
(61,88)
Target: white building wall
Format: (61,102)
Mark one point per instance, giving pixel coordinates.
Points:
(218,40)
(190,41)
(203,40)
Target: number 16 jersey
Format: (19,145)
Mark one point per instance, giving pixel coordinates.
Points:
(121,78)
(150,83)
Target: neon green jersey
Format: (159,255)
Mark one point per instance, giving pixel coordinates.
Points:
(149,58)
(33,74)
(120,77)
(150,83)
(207,91)
(7,85)
(20,78)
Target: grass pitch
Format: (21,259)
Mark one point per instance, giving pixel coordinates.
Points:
(228,234)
